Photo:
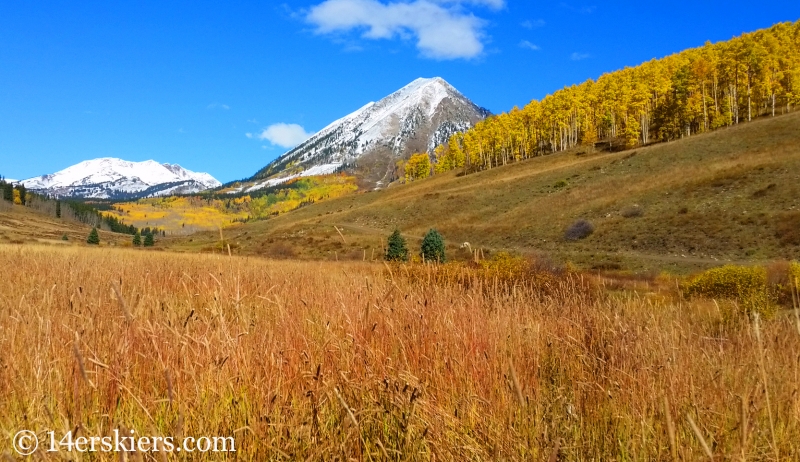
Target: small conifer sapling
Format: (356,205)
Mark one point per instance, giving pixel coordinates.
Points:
(94,238)
(433,247)
(396,247)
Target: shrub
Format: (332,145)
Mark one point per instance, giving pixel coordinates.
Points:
(506,268)
(632,212)
(788,228)
(94,238)
(396,249)
(794,273)
(433,247)
(560,184)
(502,275)
(280,250)
(747,286)
(729,281)
(579,230)
(64,237)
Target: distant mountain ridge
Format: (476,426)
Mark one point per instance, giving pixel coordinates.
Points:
(112,178)
(369,141)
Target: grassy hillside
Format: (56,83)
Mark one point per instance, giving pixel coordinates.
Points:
(729,195)
(20,225)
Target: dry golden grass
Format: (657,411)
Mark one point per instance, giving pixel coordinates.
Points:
(20,224)
(341,361)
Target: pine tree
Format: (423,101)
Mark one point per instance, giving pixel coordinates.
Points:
(94,238)
(137,239)
(396,249)
(64,237)
(148,240)
(8,192)
(433,247)
(58,209)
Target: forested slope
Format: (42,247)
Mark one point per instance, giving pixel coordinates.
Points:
(688,93)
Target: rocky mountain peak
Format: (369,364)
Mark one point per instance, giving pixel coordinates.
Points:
(369,141)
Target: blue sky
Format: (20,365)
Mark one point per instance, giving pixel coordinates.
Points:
(186,82)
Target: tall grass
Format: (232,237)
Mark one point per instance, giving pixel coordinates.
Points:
(338,361)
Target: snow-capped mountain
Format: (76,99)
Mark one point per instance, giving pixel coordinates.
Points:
(416,118)
(110,178)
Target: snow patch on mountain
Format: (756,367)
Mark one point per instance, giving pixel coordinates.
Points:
(111,178)
(418,117)
(325,169)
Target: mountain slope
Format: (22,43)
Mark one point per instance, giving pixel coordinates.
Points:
(729,195)
(20,224)
(369,141)
(111,178)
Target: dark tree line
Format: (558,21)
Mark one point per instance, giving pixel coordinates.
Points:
(13,193)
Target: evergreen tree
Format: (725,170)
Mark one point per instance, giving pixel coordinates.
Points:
(433,247)
(64,237)
(8,192)
(396,249)
(93,238)
(58,209)
(137,239)
(148,240)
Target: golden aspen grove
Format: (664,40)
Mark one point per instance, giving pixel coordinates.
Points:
(188,214)
(691,92)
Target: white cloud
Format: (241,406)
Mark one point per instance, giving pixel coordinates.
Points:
(493,4)
(218,106)
(578,56)
(529,45)
(533,24)
(443,28)
(248,134)
(283,135)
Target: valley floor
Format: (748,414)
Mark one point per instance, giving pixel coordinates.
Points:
(729,196)
(353,360)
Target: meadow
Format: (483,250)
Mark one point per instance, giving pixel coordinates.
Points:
(732,195)
(364,361)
